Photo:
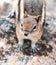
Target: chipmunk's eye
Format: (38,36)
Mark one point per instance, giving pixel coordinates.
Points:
(21,26)
(34,27)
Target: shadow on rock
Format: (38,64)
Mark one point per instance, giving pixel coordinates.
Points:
(44,49)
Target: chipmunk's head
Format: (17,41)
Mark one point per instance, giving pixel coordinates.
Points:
(30,24)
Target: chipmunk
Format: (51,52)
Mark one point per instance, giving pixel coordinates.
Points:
(32,26)
(31,29)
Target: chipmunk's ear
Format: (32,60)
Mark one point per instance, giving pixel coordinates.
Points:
(37,18)
(26,14)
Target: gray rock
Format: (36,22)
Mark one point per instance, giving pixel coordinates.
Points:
(6,26)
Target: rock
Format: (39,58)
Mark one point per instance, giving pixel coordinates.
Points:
(6,26)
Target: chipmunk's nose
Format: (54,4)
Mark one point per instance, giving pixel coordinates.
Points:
(26,34)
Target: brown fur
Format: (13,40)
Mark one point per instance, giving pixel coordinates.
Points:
(34,36)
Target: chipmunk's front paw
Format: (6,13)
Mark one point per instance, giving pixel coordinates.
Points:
(34,51)
(20,47)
